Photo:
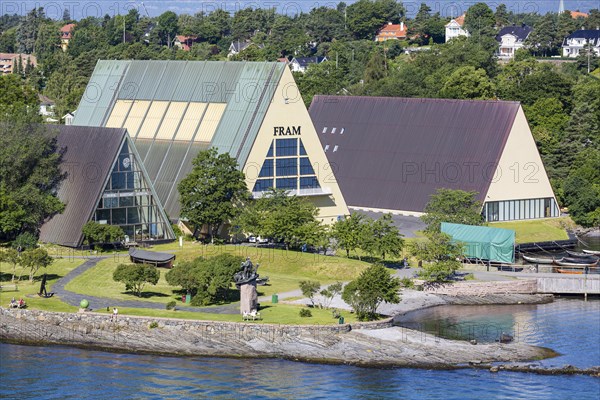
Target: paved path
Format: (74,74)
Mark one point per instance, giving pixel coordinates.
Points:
(102,302)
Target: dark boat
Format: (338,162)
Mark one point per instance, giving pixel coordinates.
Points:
(535,260)
(577,260)
(579,255)
(592,252)
(565,263)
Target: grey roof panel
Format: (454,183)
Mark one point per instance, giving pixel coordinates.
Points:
(395,152)
(84,147)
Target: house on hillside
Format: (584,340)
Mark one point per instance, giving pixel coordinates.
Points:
(237,47)
(392,32)
(47,108)
(576,41)
(9,62)
(454,28)
(391,154)
(301,64)
(185,43)
(511,38)
(578,14)
(66,34)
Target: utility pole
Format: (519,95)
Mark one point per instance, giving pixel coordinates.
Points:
(123,30)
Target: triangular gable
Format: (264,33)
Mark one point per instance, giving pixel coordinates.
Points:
(286,123)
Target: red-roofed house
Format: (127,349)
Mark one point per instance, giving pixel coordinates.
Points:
(578,14)
(454,28)
(185,42)
(9,61)
(391,31)
(66,34)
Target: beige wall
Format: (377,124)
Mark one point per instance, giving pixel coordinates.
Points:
(294,114)
(520,173)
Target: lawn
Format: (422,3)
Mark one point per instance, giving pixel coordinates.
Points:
(285,314)
(28,291)
(285,270)
(540,230)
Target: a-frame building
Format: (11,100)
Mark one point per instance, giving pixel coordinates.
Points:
(107,183)
(251,110)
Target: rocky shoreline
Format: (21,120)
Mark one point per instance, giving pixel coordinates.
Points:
(376,344)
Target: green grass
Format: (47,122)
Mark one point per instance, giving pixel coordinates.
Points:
(285,270)
(285,314)
(540,230)
(28,291)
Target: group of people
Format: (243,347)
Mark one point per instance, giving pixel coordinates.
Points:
(17,304)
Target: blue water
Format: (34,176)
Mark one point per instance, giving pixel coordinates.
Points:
(67,373)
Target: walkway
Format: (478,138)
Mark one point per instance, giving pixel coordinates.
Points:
(103,302)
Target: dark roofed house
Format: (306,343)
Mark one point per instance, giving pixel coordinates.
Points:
(392,154)
(577,40)
(105,183)
(511,39)
(300,64)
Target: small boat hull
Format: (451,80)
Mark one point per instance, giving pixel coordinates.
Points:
(577,265)
(592,252)
(535,260)
(569,271)
(579,255)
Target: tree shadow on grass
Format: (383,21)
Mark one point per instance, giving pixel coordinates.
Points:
(5,277)
(145,295)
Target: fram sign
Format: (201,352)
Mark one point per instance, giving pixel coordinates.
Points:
(286,130)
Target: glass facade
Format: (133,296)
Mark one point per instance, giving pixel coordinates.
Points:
(127,201)
(510,210)
(286,167)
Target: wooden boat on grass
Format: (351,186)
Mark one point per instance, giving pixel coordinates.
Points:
(592,252)
(536,260)
(577,270)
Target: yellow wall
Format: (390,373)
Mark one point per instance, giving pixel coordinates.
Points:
(520,173)
(294,114)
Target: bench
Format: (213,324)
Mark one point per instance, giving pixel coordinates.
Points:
(9,288)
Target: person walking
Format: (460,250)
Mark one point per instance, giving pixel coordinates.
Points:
(115,314)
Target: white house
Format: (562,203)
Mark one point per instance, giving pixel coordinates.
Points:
(68,117)
(237,47)
(454,28)
(575,42)
(511,39)
(300,64)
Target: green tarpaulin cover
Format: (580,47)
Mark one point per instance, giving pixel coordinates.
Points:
(485,243)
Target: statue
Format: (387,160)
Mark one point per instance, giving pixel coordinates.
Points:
(245,281)
(246,274)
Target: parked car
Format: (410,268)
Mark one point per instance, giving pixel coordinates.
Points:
(258,239)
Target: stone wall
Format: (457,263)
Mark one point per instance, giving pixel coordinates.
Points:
(521,286)
(373,344)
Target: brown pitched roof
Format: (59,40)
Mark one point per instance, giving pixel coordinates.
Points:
(578,14)
(460,20)
(88,159)
(393,30)
(393,153)
(65,31)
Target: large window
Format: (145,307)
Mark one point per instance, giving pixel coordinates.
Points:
(128,202)
(510,210)
(288,167)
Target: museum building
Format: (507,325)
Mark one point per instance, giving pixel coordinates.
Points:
(105,182)
(391,154)
(252,110)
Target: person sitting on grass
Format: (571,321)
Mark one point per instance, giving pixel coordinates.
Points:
(21,303)
(13,303)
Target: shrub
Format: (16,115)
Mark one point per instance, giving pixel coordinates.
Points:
(26,241)
(305,313)
(310,289)
(171,305)
(135,276)
(407,283)
(153,325)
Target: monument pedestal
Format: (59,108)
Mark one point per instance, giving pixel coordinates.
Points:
(248,297)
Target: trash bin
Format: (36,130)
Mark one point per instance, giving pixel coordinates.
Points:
(341,320)
(188,298)
(275,299)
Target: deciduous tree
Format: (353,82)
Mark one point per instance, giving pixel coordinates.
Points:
(374,286)
(209,194)
(136,276)
(455,206)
